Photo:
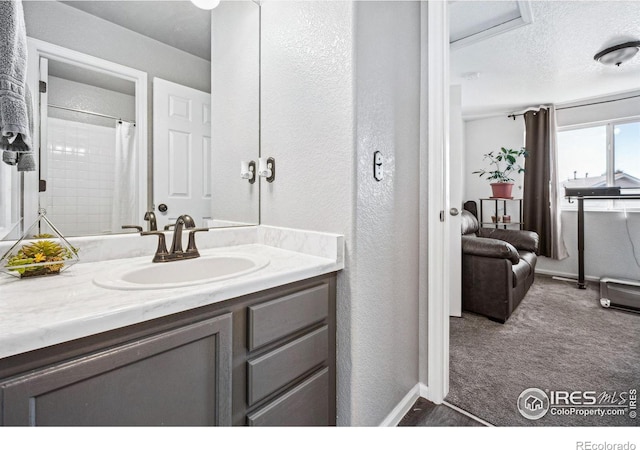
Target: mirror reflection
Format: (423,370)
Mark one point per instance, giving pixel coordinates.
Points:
(88,157)
(113,151)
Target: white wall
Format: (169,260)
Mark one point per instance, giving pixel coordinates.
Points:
(76,95)
(332,94)
(483,136)
(307,114)
(235,109)
(385,299)
(608,249)
(607,246)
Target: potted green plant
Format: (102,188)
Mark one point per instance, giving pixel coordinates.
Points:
(502,164)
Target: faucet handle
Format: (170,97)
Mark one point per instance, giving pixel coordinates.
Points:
(162,255)
(191,246)
(137,227)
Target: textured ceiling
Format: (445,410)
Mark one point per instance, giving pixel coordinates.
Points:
(179,24)
(550,60)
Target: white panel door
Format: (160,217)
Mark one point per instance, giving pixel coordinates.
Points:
(181,152)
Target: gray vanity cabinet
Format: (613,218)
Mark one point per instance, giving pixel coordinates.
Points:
(178,377)
(263,359)
(291,359)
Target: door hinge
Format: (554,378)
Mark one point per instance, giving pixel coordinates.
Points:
(441,216)
(43,186)
(43,87)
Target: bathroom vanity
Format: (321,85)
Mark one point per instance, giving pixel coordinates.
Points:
(258,349)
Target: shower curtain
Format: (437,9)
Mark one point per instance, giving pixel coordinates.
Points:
(125,189)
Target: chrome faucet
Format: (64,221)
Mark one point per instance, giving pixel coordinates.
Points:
(162,255)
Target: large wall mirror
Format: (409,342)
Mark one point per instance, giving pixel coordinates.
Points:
(137,116)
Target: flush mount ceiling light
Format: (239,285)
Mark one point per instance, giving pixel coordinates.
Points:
(618,54)
(206,4)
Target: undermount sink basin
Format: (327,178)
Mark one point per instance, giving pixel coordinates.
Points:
(174,274)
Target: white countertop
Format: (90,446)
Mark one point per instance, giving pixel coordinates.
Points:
(44,311)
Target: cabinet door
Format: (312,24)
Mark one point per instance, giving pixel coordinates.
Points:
(179,377)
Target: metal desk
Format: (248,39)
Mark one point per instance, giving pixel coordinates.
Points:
(581,282)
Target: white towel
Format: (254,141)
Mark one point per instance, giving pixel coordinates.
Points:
(15,99)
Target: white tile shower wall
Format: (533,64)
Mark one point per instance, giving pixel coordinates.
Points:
(80,177)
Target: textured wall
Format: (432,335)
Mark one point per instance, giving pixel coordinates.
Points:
(339,81)
(385,304)
(235,108)
(307,114)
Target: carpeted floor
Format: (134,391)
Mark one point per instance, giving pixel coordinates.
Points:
(559,338)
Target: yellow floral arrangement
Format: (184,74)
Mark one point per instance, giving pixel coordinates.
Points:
(46,256)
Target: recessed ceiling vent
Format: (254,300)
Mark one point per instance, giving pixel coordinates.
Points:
(618,54)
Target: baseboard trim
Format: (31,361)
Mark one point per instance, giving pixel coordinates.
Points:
(402,408)
(468,414)
(573,276)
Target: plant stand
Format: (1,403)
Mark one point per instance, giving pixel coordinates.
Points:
(494,205)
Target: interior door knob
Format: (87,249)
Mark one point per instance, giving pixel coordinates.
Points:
(454,211)
(162,207)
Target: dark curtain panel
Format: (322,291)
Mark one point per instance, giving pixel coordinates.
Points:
(535,203)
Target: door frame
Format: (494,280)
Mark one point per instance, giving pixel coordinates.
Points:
(435,204)
(38,49)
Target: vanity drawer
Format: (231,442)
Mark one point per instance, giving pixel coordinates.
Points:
(275,369)
(278,318)
(307,404)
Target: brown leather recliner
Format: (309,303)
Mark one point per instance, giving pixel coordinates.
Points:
(497,268)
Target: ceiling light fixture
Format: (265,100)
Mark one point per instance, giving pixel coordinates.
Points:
(618,54)
(206,4)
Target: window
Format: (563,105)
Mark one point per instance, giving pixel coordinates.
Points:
(600,155)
